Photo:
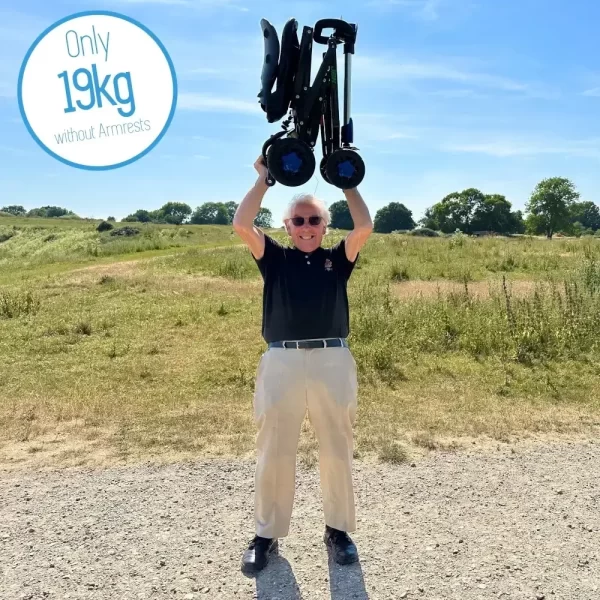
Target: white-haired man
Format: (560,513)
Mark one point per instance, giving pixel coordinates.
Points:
(307,367)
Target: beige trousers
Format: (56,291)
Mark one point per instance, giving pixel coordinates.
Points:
(290,382)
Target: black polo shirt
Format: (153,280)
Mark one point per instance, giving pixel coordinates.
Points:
(304,295)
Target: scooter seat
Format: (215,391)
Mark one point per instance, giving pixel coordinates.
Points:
(280,67)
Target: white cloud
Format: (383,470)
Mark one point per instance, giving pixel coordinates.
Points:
(194,4)
(219,58)
(389,68)
(208,103)
(423,9)
(592,92)
(381,127)
(457,93)
(20,28)
(506,147)
(15,151)
(438,12)
(391,133)
(203,71)
(176,2)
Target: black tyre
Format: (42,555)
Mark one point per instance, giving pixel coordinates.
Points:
(323,169)
(290,161)
(345,169)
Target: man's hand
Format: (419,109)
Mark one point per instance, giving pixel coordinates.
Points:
(261,168)
(363,226)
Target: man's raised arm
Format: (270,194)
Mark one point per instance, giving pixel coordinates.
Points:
(363,226)
(243,221)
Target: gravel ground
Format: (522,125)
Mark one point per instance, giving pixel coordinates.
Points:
(518,522)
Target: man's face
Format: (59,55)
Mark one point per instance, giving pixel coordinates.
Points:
(306,237)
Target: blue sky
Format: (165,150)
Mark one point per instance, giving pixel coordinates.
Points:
(447,94)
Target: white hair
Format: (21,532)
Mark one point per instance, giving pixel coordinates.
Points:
(307,199)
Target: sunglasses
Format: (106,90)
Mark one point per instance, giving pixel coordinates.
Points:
(299,221)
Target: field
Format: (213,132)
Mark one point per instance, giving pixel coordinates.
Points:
(145,347)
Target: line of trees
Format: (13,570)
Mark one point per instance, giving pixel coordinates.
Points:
(174,213)
(553,207)
(209,213)
(48,212)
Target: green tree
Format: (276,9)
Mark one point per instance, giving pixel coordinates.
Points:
(174,212)
(494,214)
(550,204)
(231,207)
(587,214)
(215,213)
(14,209)
(577,229)
(264,218)
(393,217)
(518,222)
(50,212)
(141,215)
(222,216)
(205,214)
(340,215)
(454,211)
(471,210)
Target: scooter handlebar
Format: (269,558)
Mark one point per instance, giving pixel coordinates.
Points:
(344,31)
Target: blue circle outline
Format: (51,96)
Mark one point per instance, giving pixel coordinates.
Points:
(87,14)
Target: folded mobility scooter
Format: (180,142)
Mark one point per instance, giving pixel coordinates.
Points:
(312,109)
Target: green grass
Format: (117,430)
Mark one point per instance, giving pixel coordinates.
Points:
(26,245)
(141,350)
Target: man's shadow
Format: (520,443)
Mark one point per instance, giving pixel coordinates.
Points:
(277,581)
(346,582)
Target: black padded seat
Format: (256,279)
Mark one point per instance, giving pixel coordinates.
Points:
(278,66)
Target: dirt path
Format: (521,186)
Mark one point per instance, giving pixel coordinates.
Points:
(520,522)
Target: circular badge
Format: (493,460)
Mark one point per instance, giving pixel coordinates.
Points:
(97,90)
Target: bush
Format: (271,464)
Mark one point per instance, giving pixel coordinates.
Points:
(425,232)
(104,226)
(128,231)
(6,235)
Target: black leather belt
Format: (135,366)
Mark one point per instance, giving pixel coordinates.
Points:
(308,344)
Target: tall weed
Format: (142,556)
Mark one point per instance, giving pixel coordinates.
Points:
(14,304)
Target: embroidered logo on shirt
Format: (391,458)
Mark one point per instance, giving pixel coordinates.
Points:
(328,265)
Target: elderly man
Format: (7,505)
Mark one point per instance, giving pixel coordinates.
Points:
(306,367)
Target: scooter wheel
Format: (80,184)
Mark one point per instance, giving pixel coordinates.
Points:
(345,168)
(291,161)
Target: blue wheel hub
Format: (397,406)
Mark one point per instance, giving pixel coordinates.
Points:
(291,162)
(346,169)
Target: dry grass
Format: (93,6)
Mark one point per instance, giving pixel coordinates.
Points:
(155,359)
(478,289)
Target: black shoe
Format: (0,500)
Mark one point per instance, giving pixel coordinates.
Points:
(256,556)
(343,548)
